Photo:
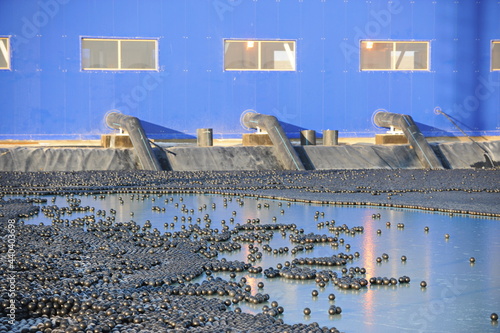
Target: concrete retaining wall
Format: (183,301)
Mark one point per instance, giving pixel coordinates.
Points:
(459,155)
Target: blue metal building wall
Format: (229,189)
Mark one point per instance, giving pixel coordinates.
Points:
(47,96)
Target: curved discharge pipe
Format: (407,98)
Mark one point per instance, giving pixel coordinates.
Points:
(138,137)
(416,139)
(285,153)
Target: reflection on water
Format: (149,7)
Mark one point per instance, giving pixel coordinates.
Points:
(459,297)
(368,261)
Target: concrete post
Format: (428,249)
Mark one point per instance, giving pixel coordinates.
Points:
(308,138)
(330,138)
(204,137)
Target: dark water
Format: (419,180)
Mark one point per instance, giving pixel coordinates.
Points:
(459,296)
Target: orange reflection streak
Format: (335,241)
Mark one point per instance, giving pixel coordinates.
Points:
(368,260)
(394,237)
(252,282)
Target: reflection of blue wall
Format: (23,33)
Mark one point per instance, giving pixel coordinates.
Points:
(46,95)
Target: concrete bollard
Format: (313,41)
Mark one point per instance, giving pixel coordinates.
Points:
(204,137)
(330,138)
(308,138)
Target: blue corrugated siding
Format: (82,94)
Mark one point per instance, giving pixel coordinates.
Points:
(47,96)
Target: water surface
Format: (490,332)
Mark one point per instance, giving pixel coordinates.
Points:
(459,296)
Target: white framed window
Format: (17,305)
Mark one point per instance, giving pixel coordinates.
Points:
(259,55)
(394,56)
(4,53)
(119,54)
(495,55)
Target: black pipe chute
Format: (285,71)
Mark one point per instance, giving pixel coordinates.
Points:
(133,127)
(404,122)
(284,151)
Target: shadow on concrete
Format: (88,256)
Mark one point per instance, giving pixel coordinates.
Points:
(487,164)
(441,156)
(162,156)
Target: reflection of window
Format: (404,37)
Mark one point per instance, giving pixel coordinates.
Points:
(4,53)
(495,56)
(394,55)
(119,54)
(259,55)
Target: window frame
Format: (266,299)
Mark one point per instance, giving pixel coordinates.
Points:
(493,42)
(259,55)
(6,52)
(119,53)
(394,43)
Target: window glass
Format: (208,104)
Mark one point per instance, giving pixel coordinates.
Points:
(278,55)
(259,55)
(376,55)
(98,54)
(4,53)
(138,54)
(119,54)
(495,56)
(394,55)
(241,55)
(410,56)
